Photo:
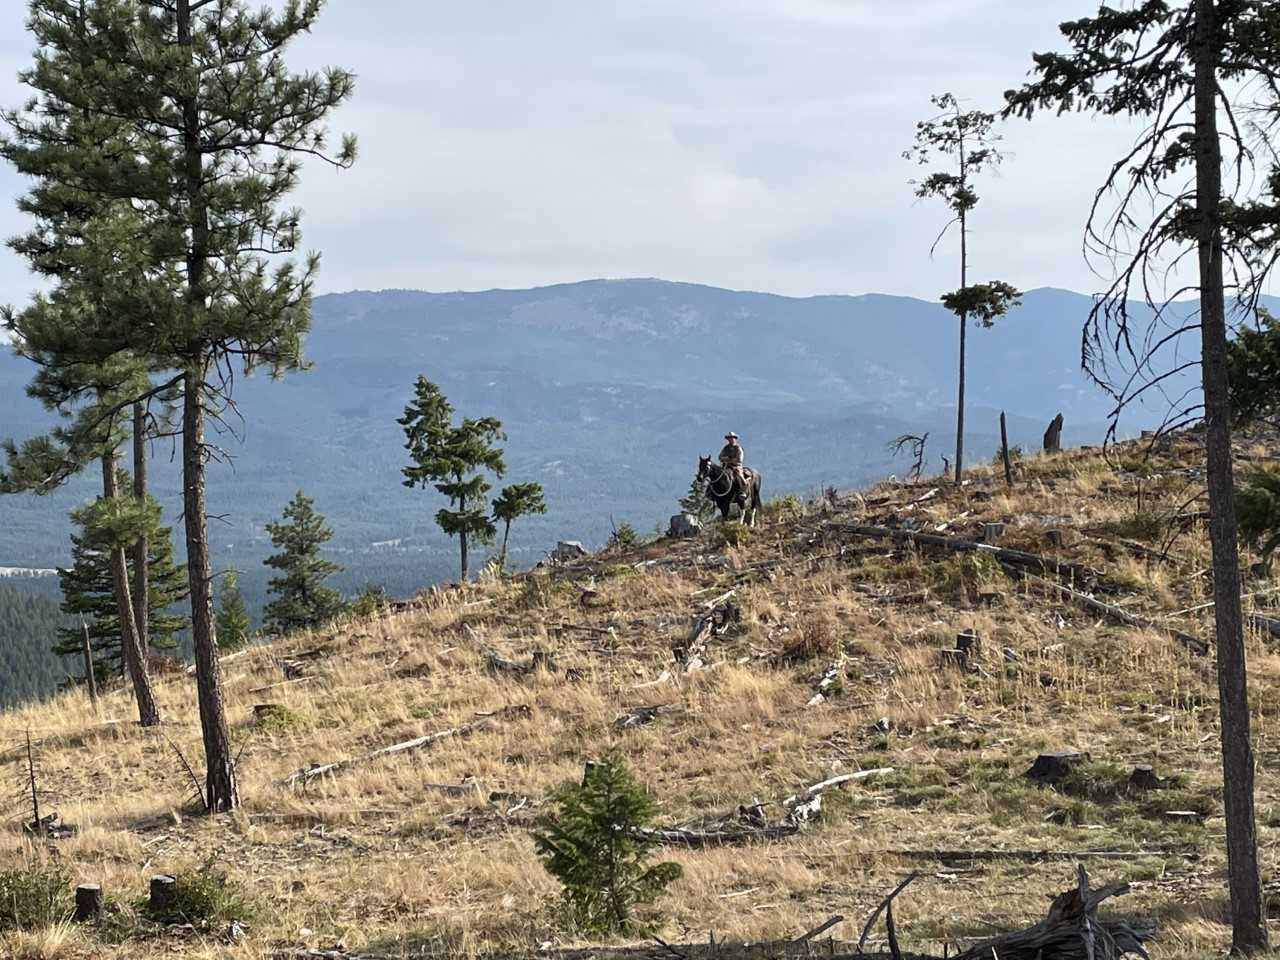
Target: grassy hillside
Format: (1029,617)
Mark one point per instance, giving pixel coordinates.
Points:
(428,850)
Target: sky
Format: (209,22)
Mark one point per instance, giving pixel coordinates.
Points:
(751,144)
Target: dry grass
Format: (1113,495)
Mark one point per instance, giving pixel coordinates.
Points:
(378,858)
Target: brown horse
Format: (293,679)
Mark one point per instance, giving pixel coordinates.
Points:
(724,489)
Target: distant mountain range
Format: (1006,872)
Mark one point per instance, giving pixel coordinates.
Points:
(609,391)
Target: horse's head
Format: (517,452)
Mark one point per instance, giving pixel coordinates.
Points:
(704,468)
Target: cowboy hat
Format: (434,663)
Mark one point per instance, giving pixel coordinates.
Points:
(731,435)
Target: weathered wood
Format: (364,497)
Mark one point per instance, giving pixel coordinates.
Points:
(1004,452)
(1017,558)
(1053,435)
(1071,931)
(641,715)
(164,889)
(1143,777)
(1054,767)
(726,836)
(1194,644)
(88,903)
(317,770)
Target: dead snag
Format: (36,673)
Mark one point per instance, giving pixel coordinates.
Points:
(1071,931)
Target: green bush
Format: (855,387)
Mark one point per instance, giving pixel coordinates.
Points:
(624,537)
(33,897)
(783,508)
(595,843)
(733,534)
(371,599)
(204,899)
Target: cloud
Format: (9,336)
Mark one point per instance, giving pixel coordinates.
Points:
(747,143)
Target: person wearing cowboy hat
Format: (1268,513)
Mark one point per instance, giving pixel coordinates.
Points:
(731,458)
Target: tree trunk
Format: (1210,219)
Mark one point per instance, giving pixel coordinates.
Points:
(221,790)
(462,537)
(141,549)
(130,648)
(1248,921)
(964,323)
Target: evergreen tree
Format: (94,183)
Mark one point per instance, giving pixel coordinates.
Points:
(301,599)
(233,618)
(964,139)
(212,127)
(88,594)
(449,458)
(516,500)
(594,842)
(696,503)
(1180,66)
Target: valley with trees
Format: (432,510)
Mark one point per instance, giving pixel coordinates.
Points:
(378,700)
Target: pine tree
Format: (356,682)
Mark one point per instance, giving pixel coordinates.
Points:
(696,503)
(301,599)
(1180,66)
(964,139)
(88,594)
(212,128)
(449,458)
(233,619)
(515,501)
(595,844)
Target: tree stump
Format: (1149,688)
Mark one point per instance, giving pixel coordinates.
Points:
(1053,767)
(1053,436)
(1144,777)
(992,532)
(88,903)
(164,890)
(1056,538)
(967,643)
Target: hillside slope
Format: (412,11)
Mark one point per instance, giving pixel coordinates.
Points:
(427,851)
(609,390)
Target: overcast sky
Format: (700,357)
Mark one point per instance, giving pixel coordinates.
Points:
(753,144)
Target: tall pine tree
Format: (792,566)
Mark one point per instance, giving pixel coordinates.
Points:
(1189,69)
(964,140)
(451,458)
(301,599)
(214,128)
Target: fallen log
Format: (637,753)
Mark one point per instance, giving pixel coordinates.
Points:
(727,836)
(818,788)
(317,770)
(1194,644)
(1017,558)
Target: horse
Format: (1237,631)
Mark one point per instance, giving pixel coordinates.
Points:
(724,489)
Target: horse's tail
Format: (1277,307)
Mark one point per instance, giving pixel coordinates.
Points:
(755,493)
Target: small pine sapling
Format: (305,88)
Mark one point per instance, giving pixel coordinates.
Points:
(595,843)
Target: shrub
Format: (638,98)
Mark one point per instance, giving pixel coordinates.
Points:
(33,897)
(966,571)
(371,599)
(624,537)
(783,508)
(733,534)
(595,844)
(204,899)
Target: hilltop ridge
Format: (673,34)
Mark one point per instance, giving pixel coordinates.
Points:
(827,655)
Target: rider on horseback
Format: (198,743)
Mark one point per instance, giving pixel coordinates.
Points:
(731,458)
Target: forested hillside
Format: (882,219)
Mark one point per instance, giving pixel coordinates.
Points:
(28,629)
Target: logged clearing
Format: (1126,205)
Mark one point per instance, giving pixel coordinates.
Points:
(823,651)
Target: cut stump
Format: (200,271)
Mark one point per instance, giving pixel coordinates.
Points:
(88,903)
(1054,767)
